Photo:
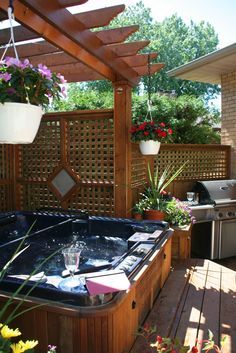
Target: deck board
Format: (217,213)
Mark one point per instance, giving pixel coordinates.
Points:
(198,295)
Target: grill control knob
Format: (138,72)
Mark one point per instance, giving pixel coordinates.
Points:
(220,215)
(230,214)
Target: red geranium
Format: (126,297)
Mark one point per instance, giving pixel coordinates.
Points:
(150,131)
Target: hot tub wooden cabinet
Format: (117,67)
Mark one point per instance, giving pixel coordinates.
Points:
(108,328)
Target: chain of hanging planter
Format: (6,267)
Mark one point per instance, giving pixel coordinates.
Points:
(11,18)
(149,146)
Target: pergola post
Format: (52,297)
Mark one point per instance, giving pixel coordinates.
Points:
(122,149)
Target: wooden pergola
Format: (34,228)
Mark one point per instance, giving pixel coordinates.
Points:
(68,43)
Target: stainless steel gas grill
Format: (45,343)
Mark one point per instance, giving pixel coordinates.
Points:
(214,234)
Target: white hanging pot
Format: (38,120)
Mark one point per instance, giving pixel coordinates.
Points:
(19,122)
(149,147)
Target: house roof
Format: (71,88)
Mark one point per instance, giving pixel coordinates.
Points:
(74,44)
(208,68)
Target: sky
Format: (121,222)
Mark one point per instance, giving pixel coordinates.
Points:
(220,14)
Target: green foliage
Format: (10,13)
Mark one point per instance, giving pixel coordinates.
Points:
(20,82)
(189,117)
(176,43)
(154,194)
(178,213)
(80,98)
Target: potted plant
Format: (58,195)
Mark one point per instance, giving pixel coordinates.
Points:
(24,91)
(178,213)
(139,208)
(155,197)
(150,135)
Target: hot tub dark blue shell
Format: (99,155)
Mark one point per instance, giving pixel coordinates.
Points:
(107,246)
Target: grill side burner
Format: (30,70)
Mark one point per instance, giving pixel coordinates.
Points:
(214,232)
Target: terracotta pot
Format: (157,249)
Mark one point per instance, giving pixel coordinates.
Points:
(138,216)
(149,147)
(154,215)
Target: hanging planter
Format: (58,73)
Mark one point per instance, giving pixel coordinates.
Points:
(149,131)
(24,91)
(19,122)
(149,147)
(150,135)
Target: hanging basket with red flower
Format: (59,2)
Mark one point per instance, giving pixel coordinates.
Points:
(150,135)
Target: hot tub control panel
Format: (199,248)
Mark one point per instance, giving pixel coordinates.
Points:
(134,257)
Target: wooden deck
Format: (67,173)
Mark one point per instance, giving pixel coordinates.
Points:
(198,295)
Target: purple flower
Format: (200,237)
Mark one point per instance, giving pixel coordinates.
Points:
(10,91)
(25,64)
(12,62)
(5,77)
(63,91)
(44,71)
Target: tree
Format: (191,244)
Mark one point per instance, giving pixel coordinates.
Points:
(176,42)
(188,116)
(80,98)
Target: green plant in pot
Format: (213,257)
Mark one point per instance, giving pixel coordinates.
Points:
(155,195)
(138,209)
(178,213)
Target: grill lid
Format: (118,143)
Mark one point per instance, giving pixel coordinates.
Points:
(216,191)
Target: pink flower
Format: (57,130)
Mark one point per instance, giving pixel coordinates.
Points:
(45,72)
(61,78)
(170,131)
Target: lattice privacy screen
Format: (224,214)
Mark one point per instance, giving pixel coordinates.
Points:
(6,178)
(205,162)
(84,143)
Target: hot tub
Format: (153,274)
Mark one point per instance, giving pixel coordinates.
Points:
(140,249)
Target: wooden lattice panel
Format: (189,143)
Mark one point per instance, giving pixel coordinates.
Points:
(138,167)
(38,160)
(6,198)
(6,178)
(205,162)
(82,141)
(37,196)
(5,162)
(96,200)
(90,148)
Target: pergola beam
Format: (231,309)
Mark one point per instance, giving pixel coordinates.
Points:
(66,40)
(59,27)
(116,35)
(20,34)
(127,49)
(144,70)
(31,19)
(139,59)
(67,3)
(100,17)
(33,49)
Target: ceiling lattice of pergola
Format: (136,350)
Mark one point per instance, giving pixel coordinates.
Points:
(66,43)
